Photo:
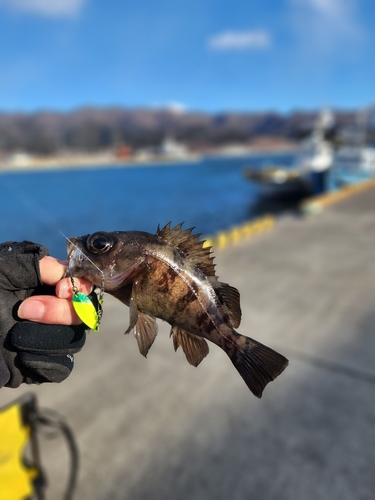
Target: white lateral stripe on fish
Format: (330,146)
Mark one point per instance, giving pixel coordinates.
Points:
(206,286)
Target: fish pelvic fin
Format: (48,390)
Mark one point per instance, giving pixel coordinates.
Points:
(133,315)
(256,363)
(190,245)
(194,348)
(145,328)
(145,332)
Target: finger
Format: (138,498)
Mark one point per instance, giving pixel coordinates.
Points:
(64,288)
(48,309)
(51,270)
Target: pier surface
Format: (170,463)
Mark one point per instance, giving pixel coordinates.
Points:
(157,428)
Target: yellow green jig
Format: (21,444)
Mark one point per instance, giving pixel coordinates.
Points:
(89,312)
(85,309)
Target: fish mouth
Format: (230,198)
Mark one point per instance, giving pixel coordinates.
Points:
(76,259)
(81,266)
(71,246)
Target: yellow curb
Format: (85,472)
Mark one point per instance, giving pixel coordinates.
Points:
(252,228)
(240,232)
(318,203)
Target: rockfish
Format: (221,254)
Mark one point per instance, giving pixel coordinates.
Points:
(171,276)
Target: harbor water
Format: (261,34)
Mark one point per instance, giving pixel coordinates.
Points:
(210,194)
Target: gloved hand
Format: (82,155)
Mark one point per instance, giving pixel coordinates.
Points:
(33,352)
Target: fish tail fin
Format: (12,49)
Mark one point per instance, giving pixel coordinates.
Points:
(256,363)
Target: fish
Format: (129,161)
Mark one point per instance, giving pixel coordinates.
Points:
(171,275)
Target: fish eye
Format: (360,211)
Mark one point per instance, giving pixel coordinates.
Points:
(99,242)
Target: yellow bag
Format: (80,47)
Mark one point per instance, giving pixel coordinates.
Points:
(20,475)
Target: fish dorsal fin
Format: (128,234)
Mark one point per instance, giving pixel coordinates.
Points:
(195,348)
(230,298)
(190,245)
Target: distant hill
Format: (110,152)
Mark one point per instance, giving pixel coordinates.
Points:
(94,129)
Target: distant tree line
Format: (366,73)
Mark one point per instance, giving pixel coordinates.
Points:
(94,129)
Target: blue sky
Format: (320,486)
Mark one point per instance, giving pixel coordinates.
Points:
(198,55)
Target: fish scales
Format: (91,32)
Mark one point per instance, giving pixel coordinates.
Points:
(193,307)
(171,276)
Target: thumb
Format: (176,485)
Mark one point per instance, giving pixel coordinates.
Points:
(48,309)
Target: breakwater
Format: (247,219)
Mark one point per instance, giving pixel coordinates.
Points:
(310,206)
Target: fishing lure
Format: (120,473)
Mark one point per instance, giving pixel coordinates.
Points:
(89,312)
(86,310)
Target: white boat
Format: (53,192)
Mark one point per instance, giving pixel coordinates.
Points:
(307,173)
(355,158)
(316,153)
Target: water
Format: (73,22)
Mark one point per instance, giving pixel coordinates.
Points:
(210,194)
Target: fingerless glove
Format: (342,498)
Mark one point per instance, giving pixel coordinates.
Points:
(31,352)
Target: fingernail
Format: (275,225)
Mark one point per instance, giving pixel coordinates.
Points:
(65,291)
(31,309)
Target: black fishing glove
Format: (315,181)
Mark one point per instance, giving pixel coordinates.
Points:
(32,353)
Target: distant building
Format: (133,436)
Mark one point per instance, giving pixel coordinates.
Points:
(123,152)
(20,160)
(169,147)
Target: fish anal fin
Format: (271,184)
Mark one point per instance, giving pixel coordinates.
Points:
(256,363)
(230,298)
(190,245)
(145,331)
(194,348)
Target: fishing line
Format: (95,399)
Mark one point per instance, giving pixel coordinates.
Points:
(329,365)
(86,310)
(30,203)
(90,313)
(83,305)
(85,256)
(27,217)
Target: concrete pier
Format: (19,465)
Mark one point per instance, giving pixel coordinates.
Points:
(157,428)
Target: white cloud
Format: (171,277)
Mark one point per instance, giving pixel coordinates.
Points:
(174,107)
(240,40)
(327,26)
(327,7)
(48,8)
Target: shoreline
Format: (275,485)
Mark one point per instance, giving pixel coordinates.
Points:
(98,161)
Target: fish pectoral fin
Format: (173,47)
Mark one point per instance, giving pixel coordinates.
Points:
(133,315)
(231,299)
(145,331)
(195,348)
